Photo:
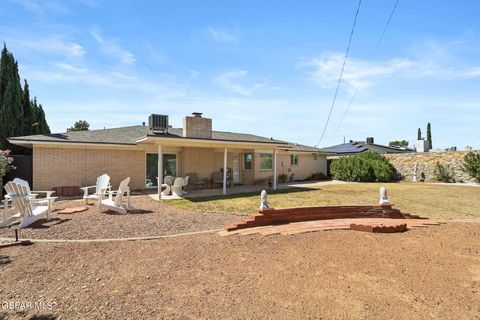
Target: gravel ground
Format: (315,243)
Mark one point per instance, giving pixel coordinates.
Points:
(425,273)
(151,218)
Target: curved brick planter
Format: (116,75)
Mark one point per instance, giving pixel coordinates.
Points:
(275,216)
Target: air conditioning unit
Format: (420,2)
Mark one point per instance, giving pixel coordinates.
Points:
(158,122)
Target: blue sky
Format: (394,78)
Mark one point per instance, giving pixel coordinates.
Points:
(262,67)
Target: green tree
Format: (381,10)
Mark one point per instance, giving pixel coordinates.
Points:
(396,143)
(10,98)
(27,110)
(80,125)
(19,115)
(429,135)
(419,134)
(471,165)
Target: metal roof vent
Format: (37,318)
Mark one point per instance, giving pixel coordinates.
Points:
(158,122)
(370,140)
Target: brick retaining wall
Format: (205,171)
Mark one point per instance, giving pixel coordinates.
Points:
(273,216)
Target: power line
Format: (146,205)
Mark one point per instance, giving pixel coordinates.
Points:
(374,53)
(341,73)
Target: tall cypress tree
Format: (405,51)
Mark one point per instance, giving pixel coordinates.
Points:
(429,135)
(18,113)
(42,122)
(27,110)
(419,134)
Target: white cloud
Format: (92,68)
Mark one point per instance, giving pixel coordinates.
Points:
(40,7)
(239,81)
(111,47)
(223,35)
(426,60)
(51,44)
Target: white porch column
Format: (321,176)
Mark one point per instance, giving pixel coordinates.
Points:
(274,169)
(160,171)
(225,172)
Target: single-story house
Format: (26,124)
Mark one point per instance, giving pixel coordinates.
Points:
(144,153)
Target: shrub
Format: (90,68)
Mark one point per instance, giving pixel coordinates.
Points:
(443,173)
(365,167)
(317,177)
(471,165)
(282,178)
(5,162)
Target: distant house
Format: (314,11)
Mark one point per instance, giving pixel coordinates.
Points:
(356,147)
(76,158)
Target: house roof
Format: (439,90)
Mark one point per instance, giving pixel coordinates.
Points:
(130,135)
(361,146)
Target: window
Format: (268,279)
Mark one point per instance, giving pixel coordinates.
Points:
(266,161)
(294,159)
(169,168)
(247,160)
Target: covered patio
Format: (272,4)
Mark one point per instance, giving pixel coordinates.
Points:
(201,193)
(232,153)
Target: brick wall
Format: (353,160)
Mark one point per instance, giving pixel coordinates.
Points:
(55,167)
(203,161)
(197,127)
(405,162)
(307,166)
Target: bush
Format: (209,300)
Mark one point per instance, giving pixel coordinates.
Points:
(443,173)
(5,162)
(282,178)
(471,165)
(365,167)
(317,177)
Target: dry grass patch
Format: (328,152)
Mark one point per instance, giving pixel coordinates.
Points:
(433,201)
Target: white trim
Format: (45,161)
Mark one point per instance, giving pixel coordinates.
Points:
(159,170)
(211,142)
(69,143)
(225,155)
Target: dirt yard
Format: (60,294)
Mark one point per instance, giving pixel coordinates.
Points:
(425,273)
(149,218)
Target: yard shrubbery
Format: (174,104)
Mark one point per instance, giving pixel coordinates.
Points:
(443,173)
(471,165)
(365,167)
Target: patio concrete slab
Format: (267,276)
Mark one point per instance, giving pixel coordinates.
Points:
(246,189)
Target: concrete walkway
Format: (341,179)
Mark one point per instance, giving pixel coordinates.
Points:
(248,189)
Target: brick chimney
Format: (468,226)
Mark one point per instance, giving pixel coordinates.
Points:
(196,126)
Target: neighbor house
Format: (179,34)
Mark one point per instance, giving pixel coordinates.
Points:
(356,147)
(145,152)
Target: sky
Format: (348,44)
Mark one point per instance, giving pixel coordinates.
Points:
(262,67)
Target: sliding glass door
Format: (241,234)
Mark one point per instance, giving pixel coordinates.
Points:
(169,168)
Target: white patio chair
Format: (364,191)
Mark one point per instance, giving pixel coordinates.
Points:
(177,188)
(119,200)
(185,184)
(27,210)
(102,186)
(48,200)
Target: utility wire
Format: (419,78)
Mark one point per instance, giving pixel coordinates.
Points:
(374,53)
(341,73)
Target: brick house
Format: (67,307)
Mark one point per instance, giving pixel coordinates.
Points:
(144,153)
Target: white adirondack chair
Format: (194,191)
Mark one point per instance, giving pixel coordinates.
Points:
(103,184)
(48,200)
(177,188)
(27,210)
(119,200)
